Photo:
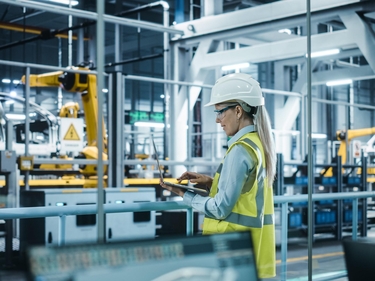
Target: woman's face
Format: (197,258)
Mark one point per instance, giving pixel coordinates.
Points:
(227,117)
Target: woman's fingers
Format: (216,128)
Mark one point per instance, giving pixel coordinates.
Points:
(184,176)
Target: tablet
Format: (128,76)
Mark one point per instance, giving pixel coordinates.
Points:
(191,188)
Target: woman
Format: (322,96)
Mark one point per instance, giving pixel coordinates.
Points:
(241,195)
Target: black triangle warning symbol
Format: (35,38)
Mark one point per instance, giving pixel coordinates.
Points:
(71,134)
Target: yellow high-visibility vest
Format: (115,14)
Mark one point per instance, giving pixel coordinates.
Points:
(253,211)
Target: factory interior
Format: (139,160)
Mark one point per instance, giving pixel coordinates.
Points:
(101,100)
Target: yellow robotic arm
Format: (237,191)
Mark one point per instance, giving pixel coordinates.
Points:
(346,136)
(86,85)
(44,80)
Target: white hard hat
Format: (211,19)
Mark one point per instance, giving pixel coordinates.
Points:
(237,87)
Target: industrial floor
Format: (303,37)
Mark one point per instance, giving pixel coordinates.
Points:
(328,260)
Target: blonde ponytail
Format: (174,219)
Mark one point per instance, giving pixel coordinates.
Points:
(265,135)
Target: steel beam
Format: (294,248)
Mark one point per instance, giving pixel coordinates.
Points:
(91,15)
(280,50)
(364,35)
(357,73)
(263,14)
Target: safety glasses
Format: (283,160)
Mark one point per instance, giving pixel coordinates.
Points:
(220,112)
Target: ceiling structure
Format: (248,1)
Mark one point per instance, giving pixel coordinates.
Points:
(252,25)
(349,26)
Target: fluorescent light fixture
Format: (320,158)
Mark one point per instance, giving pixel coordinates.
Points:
(162,96)
(105,91)
(318,136)
(8,81)
(339,82)
(149,124)
(235,66)
(324,53)
(285,30)
(65,2)
(15,116)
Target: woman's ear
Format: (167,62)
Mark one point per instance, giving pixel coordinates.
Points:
(239,112)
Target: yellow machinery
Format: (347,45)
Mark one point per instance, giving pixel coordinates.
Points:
(86,85)
(345,137)
(69,110)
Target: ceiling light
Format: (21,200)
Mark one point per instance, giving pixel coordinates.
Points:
(339,82)
(149,124)
(6,81)
(285,30)
(235,66)
(324,53)
(16,82)
(66,2)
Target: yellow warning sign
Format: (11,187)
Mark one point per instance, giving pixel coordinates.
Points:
(71,134)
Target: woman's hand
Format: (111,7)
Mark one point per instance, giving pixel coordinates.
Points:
(196,178)
(175,190)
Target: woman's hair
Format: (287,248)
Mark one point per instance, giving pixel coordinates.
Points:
(265,134)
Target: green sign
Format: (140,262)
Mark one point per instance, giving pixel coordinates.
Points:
(135,116)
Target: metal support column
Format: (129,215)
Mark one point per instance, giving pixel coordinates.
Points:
(364,200)
(280,174)
(340,202)
(27,123)
(116,130)
(311,180)
(100,38)
(167,75)
(284,240)
(8,168)
(355,219)
(190,126)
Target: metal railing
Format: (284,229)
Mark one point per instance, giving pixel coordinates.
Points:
(285,200)
(62,212)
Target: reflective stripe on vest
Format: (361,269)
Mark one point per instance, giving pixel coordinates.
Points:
(249,221)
